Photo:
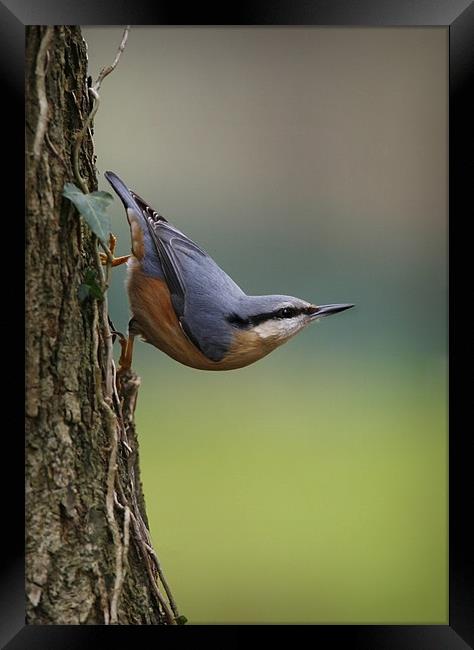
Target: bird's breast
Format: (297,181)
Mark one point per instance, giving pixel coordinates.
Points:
(158,324)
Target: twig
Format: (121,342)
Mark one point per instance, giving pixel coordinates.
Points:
(112,424)
(78,106)
(54,150)
(103,594)
(105,275)
(79,140)
(109,359)
(110,68)
(41,92)
(121,546)
(146,539)
(156,589)
(126,537)
(94,92)
(166,587)
(111,476)
(146,556)
(121,566)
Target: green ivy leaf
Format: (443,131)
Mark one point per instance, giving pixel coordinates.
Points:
(90,288)
(93,208)
(181,620)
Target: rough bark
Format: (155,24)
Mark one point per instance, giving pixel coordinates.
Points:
(85,518)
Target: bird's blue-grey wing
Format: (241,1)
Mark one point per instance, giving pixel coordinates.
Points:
(202,294)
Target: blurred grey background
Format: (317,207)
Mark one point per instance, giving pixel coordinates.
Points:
(311,487)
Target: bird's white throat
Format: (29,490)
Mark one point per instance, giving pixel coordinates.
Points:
(280,328)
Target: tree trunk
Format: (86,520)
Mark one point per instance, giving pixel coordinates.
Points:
(89,558)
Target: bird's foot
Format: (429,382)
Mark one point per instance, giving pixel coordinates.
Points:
(125,361)
(116,261)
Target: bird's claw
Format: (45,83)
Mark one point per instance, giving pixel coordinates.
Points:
(114,261)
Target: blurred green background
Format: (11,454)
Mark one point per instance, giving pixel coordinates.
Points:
(311,486)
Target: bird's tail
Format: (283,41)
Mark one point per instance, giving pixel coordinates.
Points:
(139,213)
(131,200)
(123,192)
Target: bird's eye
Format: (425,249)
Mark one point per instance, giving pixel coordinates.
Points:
(286,312)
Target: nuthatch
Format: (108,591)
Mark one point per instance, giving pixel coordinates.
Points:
(183,303)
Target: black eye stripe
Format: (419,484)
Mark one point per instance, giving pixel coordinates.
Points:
(253,321)
(238,321)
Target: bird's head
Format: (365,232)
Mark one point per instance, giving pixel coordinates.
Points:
(275,319)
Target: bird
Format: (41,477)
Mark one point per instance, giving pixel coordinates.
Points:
(185,305)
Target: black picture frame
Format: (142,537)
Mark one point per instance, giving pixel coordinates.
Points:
(458,17)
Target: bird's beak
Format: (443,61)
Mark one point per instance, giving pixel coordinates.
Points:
(327,310)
